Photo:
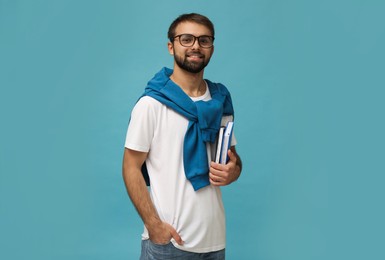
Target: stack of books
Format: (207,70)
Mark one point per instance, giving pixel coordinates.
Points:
(223,143)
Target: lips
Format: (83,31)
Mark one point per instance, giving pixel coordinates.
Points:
(195,56)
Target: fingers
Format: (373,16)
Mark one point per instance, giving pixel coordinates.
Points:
(175,235)
(164,233)
(221,174)
(218,177)
(217,182)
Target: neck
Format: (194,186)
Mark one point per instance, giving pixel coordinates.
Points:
(191,83)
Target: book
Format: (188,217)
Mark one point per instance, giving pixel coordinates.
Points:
(224,143)
(219,144)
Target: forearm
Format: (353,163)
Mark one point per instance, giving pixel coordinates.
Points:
(159,231)
(138,193)
(238,164)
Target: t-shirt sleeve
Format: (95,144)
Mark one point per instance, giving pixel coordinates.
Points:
(142,125)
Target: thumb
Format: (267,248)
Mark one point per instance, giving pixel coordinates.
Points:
(232,156)
(175,235)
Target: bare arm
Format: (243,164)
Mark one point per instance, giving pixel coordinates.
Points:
(159,232)
(224,174)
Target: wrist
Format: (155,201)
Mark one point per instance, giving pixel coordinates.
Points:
(237,172)
(153,224)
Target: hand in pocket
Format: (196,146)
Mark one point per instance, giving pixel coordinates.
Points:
(163,233)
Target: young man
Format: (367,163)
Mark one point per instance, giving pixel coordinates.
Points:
(172,131)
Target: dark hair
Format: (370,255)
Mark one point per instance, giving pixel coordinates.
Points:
(193,17)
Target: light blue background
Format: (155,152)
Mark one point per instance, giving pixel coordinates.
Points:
(307,80)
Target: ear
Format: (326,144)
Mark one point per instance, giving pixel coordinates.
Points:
(170,47)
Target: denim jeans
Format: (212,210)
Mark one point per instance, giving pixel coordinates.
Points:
(151,251)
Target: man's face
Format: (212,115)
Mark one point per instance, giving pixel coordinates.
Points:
(194,58)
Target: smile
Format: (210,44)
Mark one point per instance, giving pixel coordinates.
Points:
(195,57)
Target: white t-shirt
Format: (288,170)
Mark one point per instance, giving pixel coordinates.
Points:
(198,216)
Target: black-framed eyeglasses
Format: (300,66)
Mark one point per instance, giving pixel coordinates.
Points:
(188,40)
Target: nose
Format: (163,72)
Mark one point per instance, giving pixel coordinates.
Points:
(196,44)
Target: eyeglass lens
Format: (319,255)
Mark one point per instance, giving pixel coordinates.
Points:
(188,40)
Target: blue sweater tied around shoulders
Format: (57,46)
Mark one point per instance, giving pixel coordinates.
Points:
(204,121)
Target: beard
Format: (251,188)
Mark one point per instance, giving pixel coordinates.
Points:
(191,66)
